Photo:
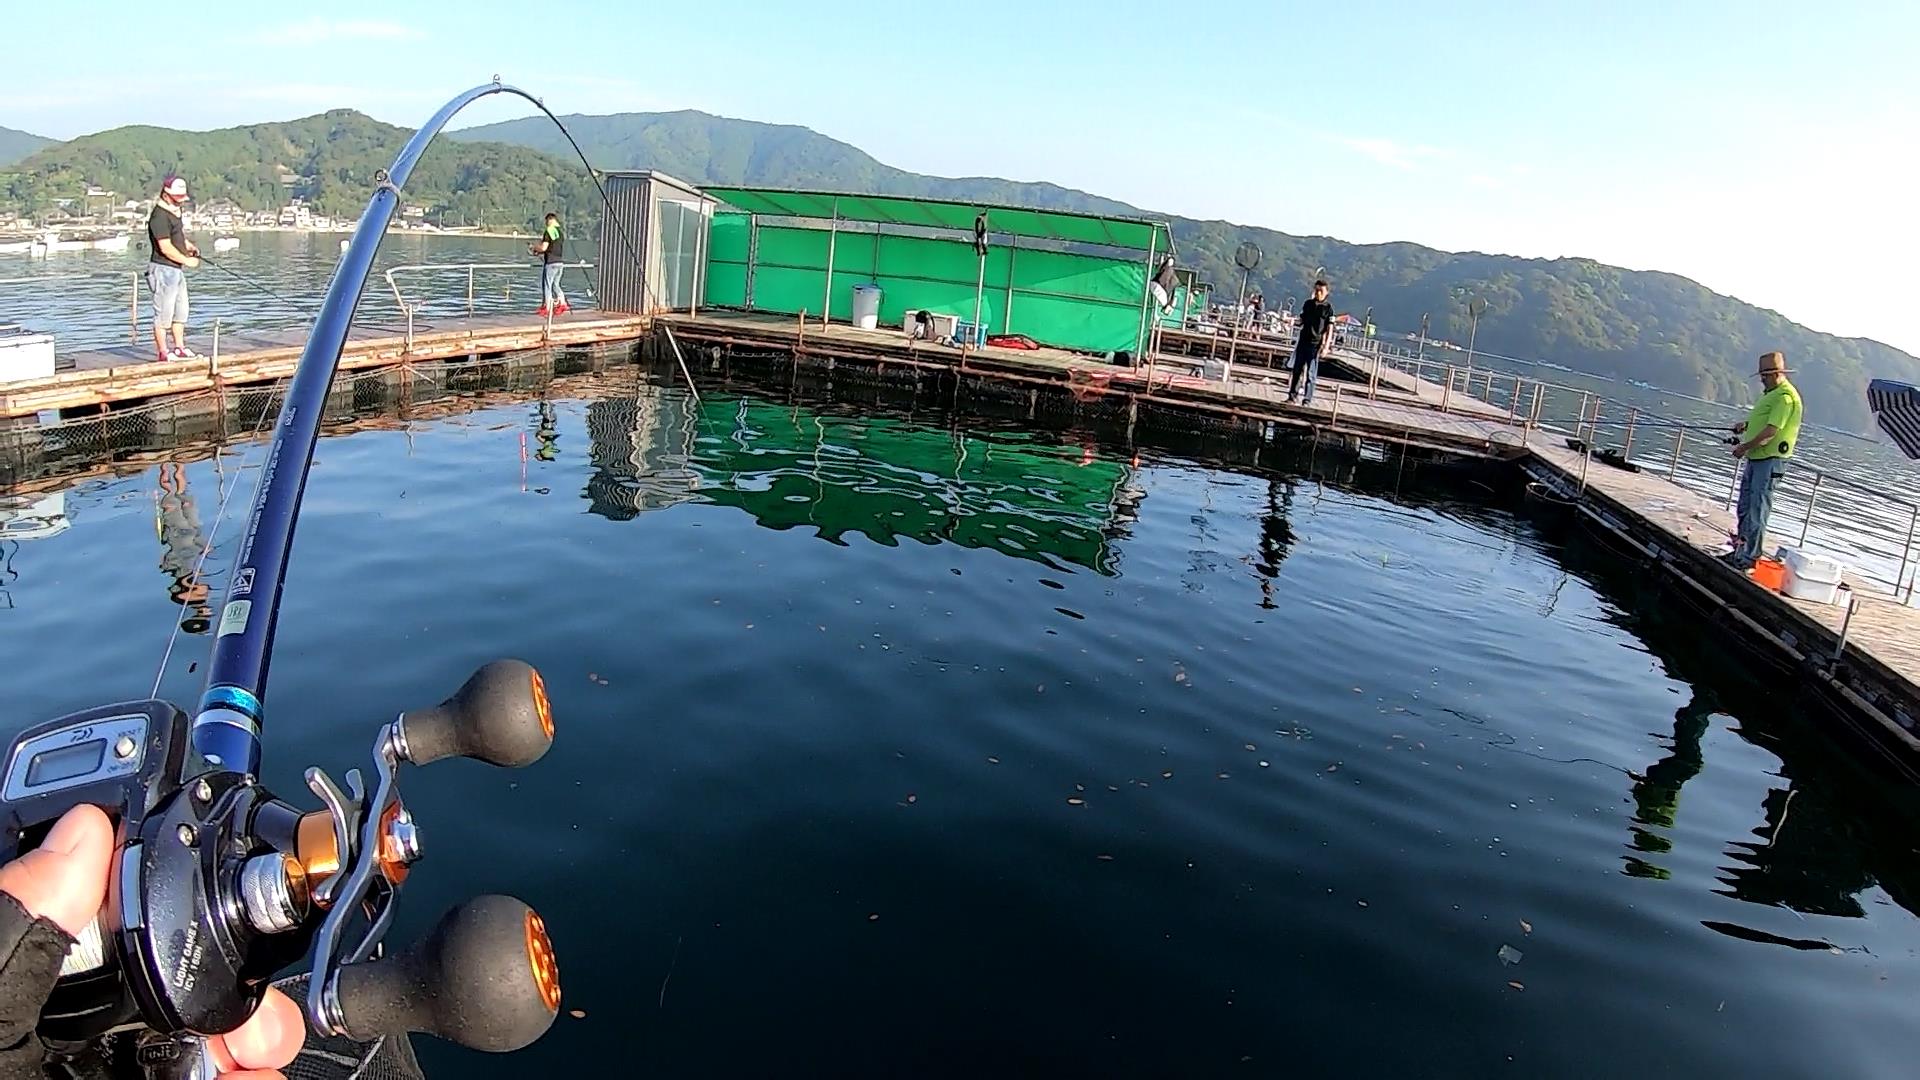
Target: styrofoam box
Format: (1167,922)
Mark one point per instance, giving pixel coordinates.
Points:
(25,355)
(1811,577)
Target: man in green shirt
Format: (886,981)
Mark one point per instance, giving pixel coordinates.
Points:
(1772,429)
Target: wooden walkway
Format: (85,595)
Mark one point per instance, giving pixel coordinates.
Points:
(130,374)
(1884,633)
(1412,416)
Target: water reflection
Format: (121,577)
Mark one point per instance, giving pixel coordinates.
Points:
(879,477)
(181,546)
(1276,536)
(1656,793)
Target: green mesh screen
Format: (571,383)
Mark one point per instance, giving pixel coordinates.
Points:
(1067,300)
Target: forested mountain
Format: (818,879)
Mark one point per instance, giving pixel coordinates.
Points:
(16,144)
(1659,327)
(329,159)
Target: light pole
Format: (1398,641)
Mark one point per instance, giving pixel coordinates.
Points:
(1423,338)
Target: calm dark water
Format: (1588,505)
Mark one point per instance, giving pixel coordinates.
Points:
(890,750)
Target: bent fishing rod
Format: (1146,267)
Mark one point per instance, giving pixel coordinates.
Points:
(217,885)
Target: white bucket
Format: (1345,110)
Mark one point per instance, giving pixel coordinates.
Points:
(1809,576)
(866,306)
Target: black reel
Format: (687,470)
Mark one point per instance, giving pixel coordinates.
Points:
(217,885)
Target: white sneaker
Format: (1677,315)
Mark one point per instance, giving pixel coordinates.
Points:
(181,352)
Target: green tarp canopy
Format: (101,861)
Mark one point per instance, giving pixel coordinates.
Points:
(1120,232)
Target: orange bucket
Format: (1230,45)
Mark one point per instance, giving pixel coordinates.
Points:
(1769,574)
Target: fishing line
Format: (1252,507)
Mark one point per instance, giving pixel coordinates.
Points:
(252,283)
(626,238)
(213,536)
(255,285)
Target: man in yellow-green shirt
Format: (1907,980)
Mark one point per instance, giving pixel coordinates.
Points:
(1771,430)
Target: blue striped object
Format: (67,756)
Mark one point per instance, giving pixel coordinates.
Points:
(1896,408)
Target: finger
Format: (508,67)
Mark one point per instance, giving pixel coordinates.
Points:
(64,880)
(269,1039)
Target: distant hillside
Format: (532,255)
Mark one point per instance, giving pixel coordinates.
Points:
(1659,327)
(329,159)
(15,144)
(702,148)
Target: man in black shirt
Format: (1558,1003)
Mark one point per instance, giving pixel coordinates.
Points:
(1316,340)
(172,255)
(549,248)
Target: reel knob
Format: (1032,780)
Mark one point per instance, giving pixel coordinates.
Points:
(484,978)
(499,715)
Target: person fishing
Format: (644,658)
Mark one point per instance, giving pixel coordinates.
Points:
(1315,341)
(1772,430)
(171,256)
(549,247)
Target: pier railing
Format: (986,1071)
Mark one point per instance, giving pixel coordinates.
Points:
(483,281)
(1873,529)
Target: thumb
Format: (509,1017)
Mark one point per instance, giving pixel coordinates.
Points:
(64,880)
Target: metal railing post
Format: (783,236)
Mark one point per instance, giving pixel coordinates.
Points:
(1807,521)
(1633,416)
(1447,393)
(1513,406)
(1679,440)
(409,310)
(133,312)
(1733,487)
(1906,550)
(1580,425)
(213,362)
(1373,384)
(470,290)
(1335,421)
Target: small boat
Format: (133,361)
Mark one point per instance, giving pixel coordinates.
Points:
(15,247)
(116,242)
(225,243)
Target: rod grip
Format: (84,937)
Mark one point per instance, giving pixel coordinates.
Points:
(484,978)
(499,715)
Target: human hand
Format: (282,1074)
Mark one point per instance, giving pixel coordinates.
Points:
(191,262)
(1740,427)
(64,881)
(193,248)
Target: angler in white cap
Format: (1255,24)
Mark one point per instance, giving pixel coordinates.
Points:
(173,254)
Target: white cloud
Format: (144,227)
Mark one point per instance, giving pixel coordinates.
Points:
(318,31)
(1389,152)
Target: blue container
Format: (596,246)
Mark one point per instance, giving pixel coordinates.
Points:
(968,333)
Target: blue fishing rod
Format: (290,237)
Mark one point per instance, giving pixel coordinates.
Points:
(218,885)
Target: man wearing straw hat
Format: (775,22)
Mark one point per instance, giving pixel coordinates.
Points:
(1772,429)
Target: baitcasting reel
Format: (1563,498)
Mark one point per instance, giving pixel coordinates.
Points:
(217,885)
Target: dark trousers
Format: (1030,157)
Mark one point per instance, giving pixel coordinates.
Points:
(1308,362)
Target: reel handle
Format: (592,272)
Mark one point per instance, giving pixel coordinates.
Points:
(499,715)
(484,978)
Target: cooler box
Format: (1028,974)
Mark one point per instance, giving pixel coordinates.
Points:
(1809,576)
(968,333)
(944,326)
(25,355)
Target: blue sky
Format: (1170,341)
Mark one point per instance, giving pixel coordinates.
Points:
(1767,150)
